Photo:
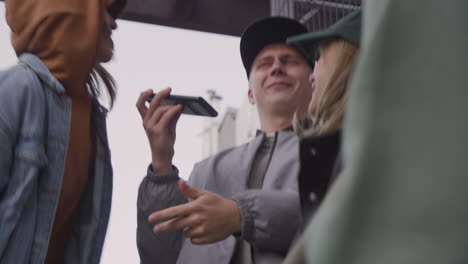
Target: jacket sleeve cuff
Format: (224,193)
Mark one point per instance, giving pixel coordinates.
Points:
(245,206)
(163,177)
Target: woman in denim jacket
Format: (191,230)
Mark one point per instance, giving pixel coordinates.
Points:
(55,170)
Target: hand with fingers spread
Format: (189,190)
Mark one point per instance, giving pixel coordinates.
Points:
(160,124)
(209,218)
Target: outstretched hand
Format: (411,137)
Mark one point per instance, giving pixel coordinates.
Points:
(209,218)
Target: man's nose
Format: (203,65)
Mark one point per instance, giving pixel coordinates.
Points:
(311,78)
(277,67)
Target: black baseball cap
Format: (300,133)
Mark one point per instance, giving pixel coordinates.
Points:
(264,32)
(347,28)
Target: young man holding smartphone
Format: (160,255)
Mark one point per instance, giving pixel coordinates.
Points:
(241,205)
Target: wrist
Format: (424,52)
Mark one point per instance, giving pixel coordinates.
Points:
(237,218)
(161,167)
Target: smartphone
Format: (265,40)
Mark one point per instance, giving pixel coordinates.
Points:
(191,105)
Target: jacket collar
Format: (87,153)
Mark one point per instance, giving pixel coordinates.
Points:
(288,129)
(42,72)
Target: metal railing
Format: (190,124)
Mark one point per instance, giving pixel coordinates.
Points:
(315,14)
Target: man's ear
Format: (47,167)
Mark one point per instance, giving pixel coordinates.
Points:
(251,97)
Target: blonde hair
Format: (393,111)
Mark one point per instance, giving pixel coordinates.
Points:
(98,74)
(330,111)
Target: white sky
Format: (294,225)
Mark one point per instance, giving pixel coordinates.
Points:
(149,56)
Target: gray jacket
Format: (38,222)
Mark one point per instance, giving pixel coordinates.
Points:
(270,216)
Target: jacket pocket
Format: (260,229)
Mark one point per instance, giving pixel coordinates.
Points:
(18,206)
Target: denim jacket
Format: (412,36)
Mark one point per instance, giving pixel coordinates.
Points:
(34,127)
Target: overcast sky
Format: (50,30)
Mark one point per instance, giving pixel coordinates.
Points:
(149,56)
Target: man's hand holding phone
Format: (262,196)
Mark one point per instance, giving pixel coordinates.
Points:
(160,124)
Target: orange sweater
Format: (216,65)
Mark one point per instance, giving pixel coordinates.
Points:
(77,169)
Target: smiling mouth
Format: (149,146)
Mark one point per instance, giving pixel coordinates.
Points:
(107,31)
(109,38)
(279,85)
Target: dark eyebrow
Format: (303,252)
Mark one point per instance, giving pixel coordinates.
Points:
(287,56)
(291,56)
(264,59)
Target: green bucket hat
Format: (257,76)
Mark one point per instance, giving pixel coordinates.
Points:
(347,28)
